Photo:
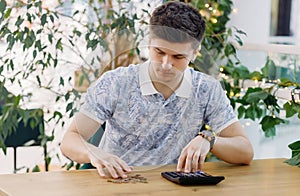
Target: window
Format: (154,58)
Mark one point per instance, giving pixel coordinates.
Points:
(283,23)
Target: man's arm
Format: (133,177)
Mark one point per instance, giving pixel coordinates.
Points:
(75,146)
(232,146)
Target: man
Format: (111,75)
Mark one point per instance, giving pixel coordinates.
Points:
(154,111)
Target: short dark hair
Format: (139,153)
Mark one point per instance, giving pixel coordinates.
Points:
(184,21)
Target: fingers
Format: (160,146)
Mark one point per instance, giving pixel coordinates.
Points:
(100,171)
(193,156)
(181,160)
(115,169)
(124,165)
(195,161)
(114,166)
(201,162)
(188,160)
(192,161)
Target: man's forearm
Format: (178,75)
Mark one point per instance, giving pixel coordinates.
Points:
(237,150)
(76,148)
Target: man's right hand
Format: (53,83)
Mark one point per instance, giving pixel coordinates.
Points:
(76,147)
(115,166)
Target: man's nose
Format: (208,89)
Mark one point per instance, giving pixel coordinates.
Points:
(166,63)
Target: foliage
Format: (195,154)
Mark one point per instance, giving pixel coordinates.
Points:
(295,159)
(259,102)
(44,45)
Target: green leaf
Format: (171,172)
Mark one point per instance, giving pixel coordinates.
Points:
(56,113)
(55,61)
(77,166)
(7,14)
(295,145)
(69,106)
(70,165)
(229,49)
(256,76)
(34,54)
(252,112)
(43,19)
(76,32)
(2,6)
(59,45)
(241,111)
(36,169)
(38,79)
(268,124)
(256,96)
(38,45)
(243,72)
(48,159)
(67,96)
(52,18)
(294,160)
(239,40)
(92,44)
(241,32)
(291,109)
(19,21)
(269,70)
(50,38)
(61,81)
(271,132)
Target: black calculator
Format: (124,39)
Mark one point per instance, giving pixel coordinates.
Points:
(192,178)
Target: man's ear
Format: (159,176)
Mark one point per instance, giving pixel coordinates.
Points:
(149,43)
(194,55)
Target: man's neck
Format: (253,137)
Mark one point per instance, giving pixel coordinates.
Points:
(165,89)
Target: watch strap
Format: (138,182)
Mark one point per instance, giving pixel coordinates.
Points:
(210,136)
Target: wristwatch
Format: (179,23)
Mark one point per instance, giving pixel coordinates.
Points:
(209,136)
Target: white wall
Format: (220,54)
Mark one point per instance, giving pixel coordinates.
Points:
(253,17)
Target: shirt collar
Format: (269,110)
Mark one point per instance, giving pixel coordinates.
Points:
(147,88)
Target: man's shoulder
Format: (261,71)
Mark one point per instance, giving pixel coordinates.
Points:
(129,72)
(202,78)
(124,70)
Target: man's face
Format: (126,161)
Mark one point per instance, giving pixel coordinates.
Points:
(168,60)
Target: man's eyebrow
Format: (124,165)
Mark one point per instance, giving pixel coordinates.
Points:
(160,50)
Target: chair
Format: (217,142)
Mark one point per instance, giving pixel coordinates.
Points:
(25,136)
(95,140)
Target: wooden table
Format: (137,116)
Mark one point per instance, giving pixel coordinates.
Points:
(262,177)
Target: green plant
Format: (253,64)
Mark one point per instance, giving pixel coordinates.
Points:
(295,158)
(259,102)
(39,42)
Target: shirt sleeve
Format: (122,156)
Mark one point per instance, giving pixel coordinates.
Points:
(219,112)
(98,103)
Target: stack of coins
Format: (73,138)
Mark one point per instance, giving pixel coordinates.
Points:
(130,179)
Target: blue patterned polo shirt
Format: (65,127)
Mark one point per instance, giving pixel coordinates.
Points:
(143,128)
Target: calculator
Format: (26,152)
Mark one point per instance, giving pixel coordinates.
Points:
(192,178)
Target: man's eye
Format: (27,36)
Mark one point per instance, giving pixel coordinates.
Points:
(179,57)
(159,52)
